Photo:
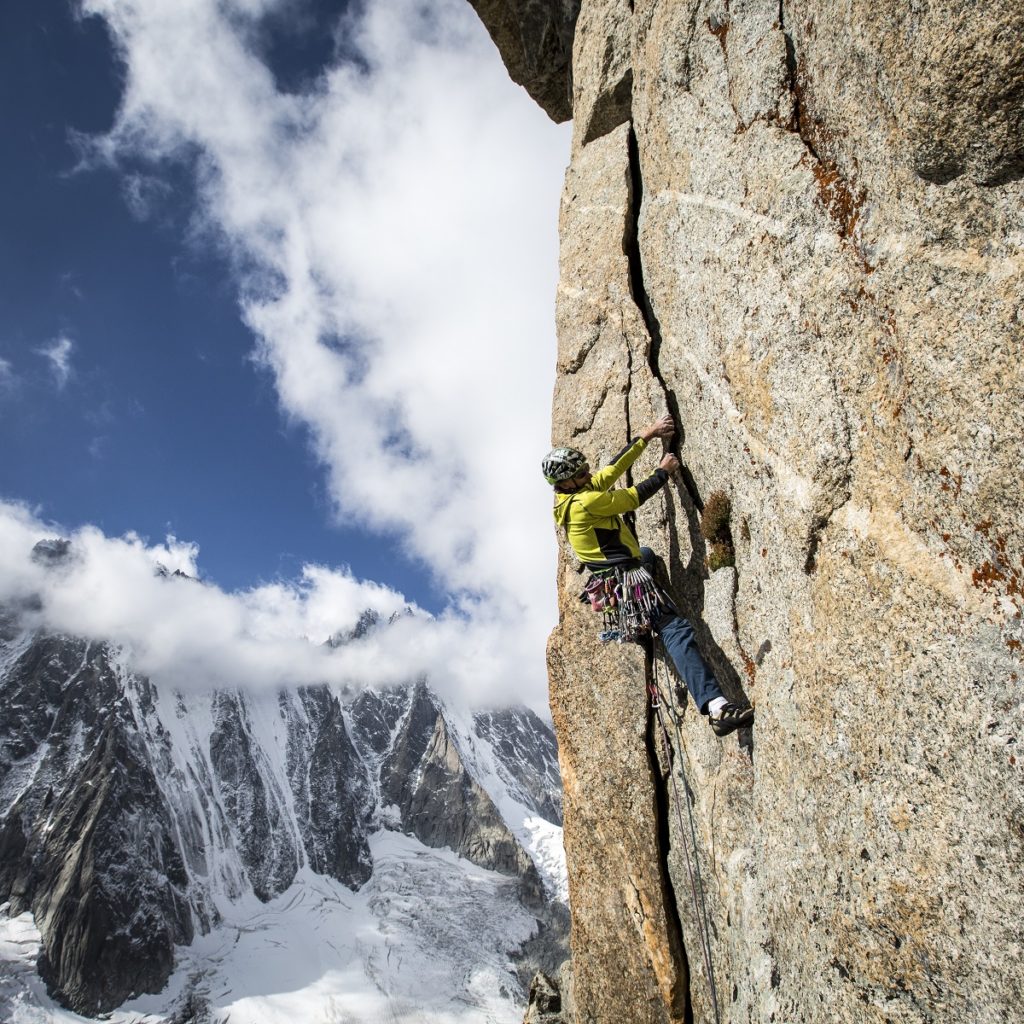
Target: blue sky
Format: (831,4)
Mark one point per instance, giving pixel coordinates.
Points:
(165,424)
(276,307)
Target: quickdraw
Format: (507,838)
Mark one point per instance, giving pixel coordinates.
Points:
(628,599)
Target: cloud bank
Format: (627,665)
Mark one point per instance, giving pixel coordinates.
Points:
(182,633)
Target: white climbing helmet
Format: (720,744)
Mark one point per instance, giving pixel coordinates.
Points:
(563,464)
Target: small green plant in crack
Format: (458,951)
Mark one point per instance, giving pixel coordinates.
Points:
(720,556)
(714,520)
(714,528)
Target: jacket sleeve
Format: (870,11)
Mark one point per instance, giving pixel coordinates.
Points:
(604,479)
(625,499)
(609,503)
(649,487)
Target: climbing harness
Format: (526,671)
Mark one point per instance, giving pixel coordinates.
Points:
(628,600)
(655,695)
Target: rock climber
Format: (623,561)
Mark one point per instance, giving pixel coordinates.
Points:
(592,515)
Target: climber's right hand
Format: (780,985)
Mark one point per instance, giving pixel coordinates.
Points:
(670,464)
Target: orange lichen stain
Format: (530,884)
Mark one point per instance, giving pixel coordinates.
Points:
(951,482)
(854,303)
(999,574)
(841,200)
(862,296)
(749,666)
(720,32)
(987,576)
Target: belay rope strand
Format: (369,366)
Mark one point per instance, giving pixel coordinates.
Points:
(692,867)
(700,905)
(628,600)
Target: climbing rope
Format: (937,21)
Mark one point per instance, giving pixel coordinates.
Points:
(629,600)
(692,867)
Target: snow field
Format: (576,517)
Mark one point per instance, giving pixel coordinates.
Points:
(428,940)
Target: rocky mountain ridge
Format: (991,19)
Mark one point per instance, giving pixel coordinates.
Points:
(132,819)
(798,227)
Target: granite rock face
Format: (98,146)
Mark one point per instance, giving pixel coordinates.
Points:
(87,839)
(535,41)
(799,230)
(545,1004)
(439,800)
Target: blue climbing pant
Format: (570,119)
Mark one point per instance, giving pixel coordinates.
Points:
(681,643)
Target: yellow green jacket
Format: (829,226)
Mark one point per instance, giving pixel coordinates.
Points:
(593,517)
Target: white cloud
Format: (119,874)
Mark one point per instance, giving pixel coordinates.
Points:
(393,234)
(191,635)
(58,353)
(144,194)
(10,382)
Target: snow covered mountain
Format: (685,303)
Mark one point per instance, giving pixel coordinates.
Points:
(135,823)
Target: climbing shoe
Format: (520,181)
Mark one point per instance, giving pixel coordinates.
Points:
(731,718)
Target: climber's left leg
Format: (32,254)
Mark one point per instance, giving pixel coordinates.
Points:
(681,643)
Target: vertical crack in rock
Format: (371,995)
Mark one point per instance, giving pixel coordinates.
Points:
(631,244)
(794,87)
(681,1003)
(629,388)
(837,490)
(638,291)
(750,664)
(814,534)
